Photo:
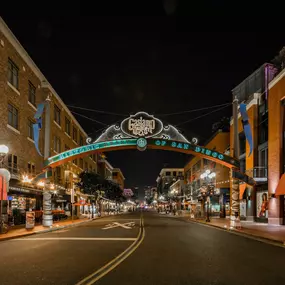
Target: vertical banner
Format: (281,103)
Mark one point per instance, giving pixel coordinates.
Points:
(38,125)
(246,126)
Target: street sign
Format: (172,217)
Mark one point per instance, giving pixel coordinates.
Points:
(127,226)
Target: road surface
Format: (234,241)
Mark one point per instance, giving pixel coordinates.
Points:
(168,251)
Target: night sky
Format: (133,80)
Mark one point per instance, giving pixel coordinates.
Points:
(158,63)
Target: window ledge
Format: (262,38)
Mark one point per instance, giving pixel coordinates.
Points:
(57,124)
(31,140)
(31,105)
(75,142)
(55,151)
(13,129)
(67,135)
(13,88)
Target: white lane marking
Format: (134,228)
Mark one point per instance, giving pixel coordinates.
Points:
(127,226)
(77,238)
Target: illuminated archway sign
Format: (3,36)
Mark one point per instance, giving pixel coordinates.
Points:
(162,144)
(141,131)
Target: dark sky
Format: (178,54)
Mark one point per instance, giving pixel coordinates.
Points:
(172,60)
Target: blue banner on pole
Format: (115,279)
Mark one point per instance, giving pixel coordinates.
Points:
(36,137)
(38,125)
(246,127)
(40,110)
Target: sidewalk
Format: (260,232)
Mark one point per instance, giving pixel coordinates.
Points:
(21,232)
(267,232)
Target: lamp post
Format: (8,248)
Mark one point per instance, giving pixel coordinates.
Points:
(3,152)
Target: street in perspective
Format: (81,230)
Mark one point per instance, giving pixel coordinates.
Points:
(132,152)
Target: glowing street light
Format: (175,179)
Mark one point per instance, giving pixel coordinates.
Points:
(26,179)
(41,184)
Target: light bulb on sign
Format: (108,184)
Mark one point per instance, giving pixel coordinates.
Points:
(26,179)
(41,184)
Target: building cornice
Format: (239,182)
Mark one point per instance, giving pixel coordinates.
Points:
(28,60)
(276,79)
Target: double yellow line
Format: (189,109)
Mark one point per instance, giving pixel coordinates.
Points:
(98,274)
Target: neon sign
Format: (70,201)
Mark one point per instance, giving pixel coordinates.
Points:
(142,144)
(88,148)
(141,125)
(195,148)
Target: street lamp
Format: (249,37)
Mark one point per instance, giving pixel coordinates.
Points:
(5,175)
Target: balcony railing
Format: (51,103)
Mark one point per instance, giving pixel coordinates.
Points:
(258,173)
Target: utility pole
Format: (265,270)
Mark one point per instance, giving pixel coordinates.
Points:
(47,212)
(235,182)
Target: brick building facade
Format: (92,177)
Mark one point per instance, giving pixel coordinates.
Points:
(22,88)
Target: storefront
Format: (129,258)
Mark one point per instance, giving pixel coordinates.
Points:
(22,199)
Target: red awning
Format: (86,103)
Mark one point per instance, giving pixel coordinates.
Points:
(242,188)
(280,190)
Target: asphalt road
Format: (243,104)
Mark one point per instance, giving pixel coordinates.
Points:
(172,252)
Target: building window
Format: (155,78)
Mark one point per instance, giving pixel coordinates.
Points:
(75,161)
(263,157)
(242,143)
(81,163)
(56,114)
(174,173)
(56,144)
(74,134)
(31,168)
(32,94)
(30,129)
(86,166)
(13,163)
(13,73)
(80,140)
(242,165)
(13,116)
(67,126)
(167,173)
(57,174)
(263,129)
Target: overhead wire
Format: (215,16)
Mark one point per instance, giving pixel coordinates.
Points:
(91,119)
(97,111)
(194,110)
(204,115)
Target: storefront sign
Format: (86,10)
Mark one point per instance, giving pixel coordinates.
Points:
(25,190)
(141,125)
(30,220)
(262,204)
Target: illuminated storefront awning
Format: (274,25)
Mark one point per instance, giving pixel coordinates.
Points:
(280,190)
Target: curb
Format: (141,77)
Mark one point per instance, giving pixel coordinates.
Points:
(239,232)
(50,229)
